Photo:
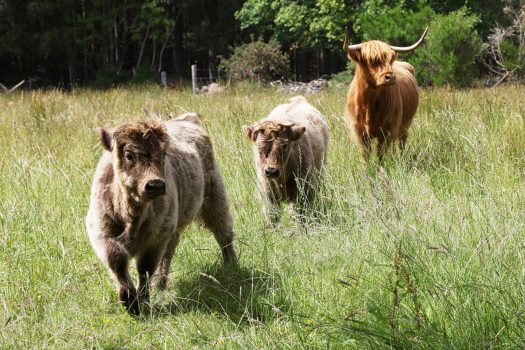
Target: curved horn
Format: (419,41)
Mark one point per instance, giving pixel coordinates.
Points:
(354,47)
(410,48)
(347,47)
(345,43)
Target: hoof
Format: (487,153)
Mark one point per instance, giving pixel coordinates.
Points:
(129,298)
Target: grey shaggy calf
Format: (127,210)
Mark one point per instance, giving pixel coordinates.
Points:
(290,147)
(153,180)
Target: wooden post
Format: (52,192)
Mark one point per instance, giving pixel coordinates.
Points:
(16,86)
(194,78)
(163,79)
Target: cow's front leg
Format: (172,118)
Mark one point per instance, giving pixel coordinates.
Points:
(147,263)
(271,208)
(270,196)
(365,145)
(383,143)
(305,198)
(117,259)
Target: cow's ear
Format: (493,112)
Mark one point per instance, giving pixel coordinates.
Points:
(248,131)
(295,132)
(105,139)
(354,55)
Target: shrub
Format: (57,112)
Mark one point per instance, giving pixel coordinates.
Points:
(451,50)
(144,74)
(257,61)
(345,77)
(108,78)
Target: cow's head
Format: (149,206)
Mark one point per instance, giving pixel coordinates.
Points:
(376,59)
(139,152)
(274,142)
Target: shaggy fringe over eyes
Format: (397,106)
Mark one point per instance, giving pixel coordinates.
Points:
(140,130)
(375,52)
(272,126)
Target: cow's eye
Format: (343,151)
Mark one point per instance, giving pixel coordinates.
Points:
(129,156)
(285,146)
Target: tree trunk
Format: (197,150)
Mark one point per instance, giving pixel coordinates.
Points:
(165,43)
(178,49)
(154,54)
(116,40)
(142,48)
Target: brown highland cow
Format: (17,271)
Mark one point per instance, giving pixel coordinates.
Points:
(289,148)
(382,98)
(154,178)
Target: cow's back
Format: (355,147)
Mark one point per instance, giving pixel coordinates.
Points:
(193,164)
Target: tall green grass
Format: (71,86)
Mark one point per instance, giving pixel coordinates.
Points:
(426,252)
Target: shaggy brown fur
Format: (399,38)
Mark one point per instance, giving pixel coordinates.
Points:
(383,97)
(152,181)
(290,148)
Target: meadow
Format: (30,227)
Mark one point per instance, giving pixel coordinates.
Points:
(426,252)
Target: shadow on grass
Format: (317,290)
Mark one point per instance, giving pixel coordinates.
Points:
(243,295)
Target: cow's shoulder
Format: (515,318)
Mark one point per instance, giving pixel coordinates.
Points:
(404,65)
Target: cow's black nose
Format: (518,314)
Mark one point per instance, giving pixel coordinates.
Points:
(271,172)
(155,187)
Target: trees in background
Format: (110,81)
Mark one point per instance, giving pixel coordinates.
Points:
(103,41)
(309,31)
(62,42)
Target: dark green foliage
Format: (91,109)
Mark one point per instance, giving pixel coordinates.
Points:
(399,25)
(514,56)
(108,78)
(72,42)
(66,42)
(451,51)
(489,11)
(145,74)
(344,77)
(307,24)
(257,61)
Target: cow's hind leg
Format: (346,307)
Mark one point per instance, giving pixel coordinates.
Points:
(216,216)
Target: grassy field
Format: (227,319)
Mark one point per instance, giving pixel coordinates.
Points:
(427,252)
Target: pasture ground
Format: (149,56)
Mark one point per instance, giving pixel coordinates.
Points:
(427,252)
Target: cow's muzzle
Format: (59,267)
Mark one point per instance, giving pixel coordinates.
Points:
(271,172)
(388,79)
(155,188)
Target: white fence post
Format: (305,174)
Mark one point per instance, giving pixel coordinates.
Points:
(163,79)
(194,77)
